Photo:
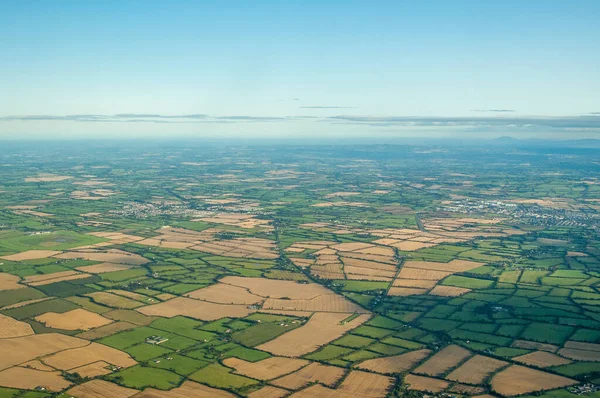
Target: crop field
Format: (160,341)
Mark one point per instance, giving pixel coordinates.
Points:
(320,271)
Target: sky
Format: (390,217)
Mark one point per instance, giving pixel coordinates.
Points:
(295,69)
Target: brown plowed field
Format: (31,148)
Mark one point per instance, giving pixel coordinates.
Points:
(325,303)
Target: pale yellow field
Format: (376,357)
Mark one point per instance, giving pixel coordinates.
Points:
(40,280)
(444,360)
(78,319)
(266,369)
(476,370)
(517,380)
(202,310)
(320,329)
(395,364)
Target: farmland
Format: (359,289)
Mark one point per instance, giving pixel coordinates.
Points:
(145,271)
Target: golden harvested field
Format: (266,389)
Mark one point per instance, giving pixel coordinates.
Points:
(582,346)
(352,246)
(188,389)
(101,389)
(113,300)
(476,370)
(449,291)
(452,266)
(202,310)
(240,247)
(10,328)
(22,349)
(580,355)
(541,359)
(9,282)
(422,383)
(47,178)
(107,330)
(78,319)
(108,255)
(324,303)
(369,265)
(95,369)
(40,280)
(533,345)
(422,274)
(363,384)
(29,379)
(26,302)
(320,329)
(131,295)
(395,364)
(92,352)
(104,267)
(269,392)
(390,260)
(277,288)
(517,380)
(410,246)
(225,294)
(424,284)
(36,364)
(31,255)
(313,373)
(405,291)
(444,360)
(266,369)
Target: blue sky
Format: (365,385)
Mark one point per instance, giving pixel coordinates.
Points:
(75,69)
